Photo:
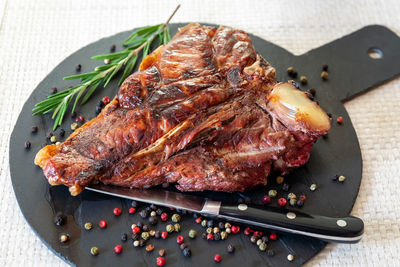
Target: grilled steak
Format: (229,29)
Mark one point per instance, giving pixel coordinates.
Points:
(204,112)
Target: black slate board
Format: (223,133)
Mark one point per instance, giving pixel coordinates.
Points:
(351,71)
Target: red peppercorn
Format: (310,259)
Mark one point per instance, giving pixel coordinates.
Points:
(302,197)
(339,120)
(273,236)
(164,235)
(235,229)
(132,210)
(81,118)
(210,236)
(136,230)
(118,249)
(266,199)
(160,261)
(258,234)
(217,258)
(247,231)
(106,100)
(282,202)
(198,220)
(164,217)
(117,211)
(102,224)
(179,239)
(77,119)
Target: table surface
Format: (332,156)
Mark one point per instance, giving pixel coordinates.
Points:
(36,35)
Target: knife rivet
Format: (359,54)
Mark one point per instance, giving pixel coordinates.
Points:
(291,215)
(341,223)
(242,206)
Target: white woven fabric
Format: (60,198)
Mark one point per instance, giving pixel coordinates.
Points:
(36,35)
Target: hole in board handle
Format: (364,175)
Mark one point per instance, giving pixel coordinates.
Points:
(375,53)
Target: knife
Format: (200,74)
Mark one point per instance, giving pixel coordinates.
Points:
(343,230)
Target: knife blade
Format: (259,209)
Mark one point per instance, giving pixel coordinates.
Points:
(331,229)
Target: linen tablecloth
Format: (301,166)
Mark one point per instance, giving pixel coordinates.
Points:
(36,35)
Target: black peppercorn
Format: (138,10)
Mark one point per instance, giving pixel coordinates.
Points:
(285,187)
(210,223)
(325,67)
(204,235)
(153,207)
(62,132)
(264,239)
(34,129)
(182,246)
(53,90)
(124,237)
(134,204)
(144,213)
(73,115)
(159,211)
(148,209)
(98,110)
(27,145)
(135,237)
(312,91)
(78,67)
(300,203)
(153,220)
(270,252)
(231,248)
(139,224)
(217,236)
(157,234)
(221,225)
(195,215)
(59,220)
(142,242)
(112,48)
(186,252)
(146,228)
(294,74)
(335,177)
(100,104)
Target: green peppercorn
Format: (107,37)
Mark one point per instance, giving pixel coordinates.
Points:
(204,223)
(176,218)
(290,257)
(259,241)
(272,193)
(290,70)
(53,139)
(94,251)
(145,235)
(215,230)
(341,178)
(74,126)
(313,187)
(279,179)
(228,225)
(192,233)
(262,246)
(88,225)
(303,79)
(293,202)
(224,235)
(209,230)
(177,227)
(136,243)
(324,75)
(170,228)
(291,195)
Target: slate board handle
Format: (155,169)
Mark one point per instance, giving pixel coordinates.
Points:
(351,70)
(344,230)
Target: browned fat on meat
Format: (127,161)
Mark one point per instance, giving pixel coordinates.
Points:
(204,112)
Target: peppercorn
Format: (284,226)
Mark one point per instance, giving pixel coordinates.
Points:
(266,199)
(204,235)
(34,129)
(253,239)
(312,91)
(136,230)
(198,220)
(102,224)
(217,258)
(247,231)
(160,261)
(215,230)
(164,235)
(94,251)
(132,210)
(112,48)
(170,228)
(228,225)
(157,234)
(153,214)
(210,223)
(290,257)
(176,217)
(73,114)
(231,248)
(135,237)
(279,179)
(341,178)
(145,235)
(325,67)
(161,252)
(324,75)
(27,145)
(264,239)
(153,220)
(292,202)
(209,230)
(53,139)
(53,90)
(272,193)
(339,120)
(224,235)
(294,74)
(177,227)
(98,110)
(78,67)
(303,79)
(136,243)
(149,248)
(270,253)
(124,237)
(259,241)
(117,211)
(228,230)
(310,96)
(80,119)
(285,187)
(164,217)
(221,225)
(88,226)
(187,252)
(74,126)
(262,246)
(204,223)
(106,100)
(210,236)
(313,187)
(290,70)
(134,204)
(179,239)
(144,214)
(182,246)
(258,234)
(64,238)
(192,233)
(142,242)
(282,202)
(146,228)
(217,236)
(273,236)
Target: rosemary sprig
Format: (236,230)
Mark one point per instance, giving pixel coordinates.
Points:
(139,41)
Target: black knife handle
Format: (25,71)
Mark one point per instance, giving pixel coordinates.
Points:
(344,230)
